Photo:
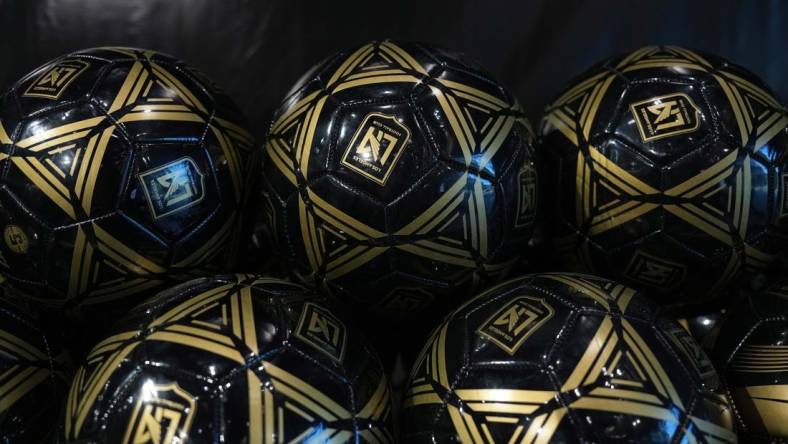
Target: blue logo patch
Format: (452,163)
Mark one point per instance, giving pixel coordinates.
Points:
(173,187)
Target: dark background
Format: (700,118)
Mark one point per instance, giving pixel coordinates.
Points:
(257,49)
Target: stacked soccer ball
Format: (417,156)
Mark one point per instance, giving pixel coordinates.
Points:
(400,187)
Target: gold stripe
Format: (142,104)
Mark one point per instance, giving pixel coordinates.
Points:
(58,141)
(247,316)
(192,304)
(178,86)
(93,169)
(479,96)
(41,182)
(707,175)
(351,62)
(454,123)
(130,259)
(96,382)
(256,429)
(625,407)
(128,82)
(199,332)
(21,347)
(30,382)
(4,139)
(198,343)
(394,50)
(54,132)
(161,115)
(425,398)
(306,394)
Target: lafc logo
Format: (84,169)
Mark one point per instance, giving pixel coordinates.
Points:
(690,347)
(163,415)
(526,198)
(405,300)
(665,116)
(510,326)
(322,330)
(56,79)
(652,270)
(173,187)
(376,147)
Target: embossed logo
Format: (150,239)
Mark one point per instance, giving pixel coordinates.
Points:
(376,147)
(16,239)
(173,187)
(163,415)
(322,330)
(404,300)
(652,270)
(55,80)
(665,116)
(693,351)
(526,195)
(510,326)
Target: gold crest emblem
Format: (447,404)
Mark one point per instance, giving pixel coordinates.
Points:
(55,80)
(652,270)
(322,330)
(163,415)
(510,326)
(16,239)
(526,195)
(665,116)
(376,147)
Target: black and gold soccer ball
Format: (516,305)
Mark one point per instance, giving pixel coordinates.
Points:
(752,357)
(34,375)
(562,358)
(120,170)
(231,359)
(396,174)
(666,171)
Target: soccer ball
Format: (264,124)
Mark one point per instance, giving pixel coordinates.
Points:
(562,358)
(667,172)
(34,376)
(396,174)
(120,170)
(230,359)
(752,357)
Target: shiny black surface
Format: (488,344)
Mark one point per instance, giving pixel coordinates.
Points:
(563,358)
(751,355)
(34,374)
(390,243)
(124,176)
(230,359)
(674,215)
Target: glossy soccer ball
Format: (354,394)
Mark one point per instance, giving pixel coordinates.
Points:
(230,359)
(120,169)
(666,172)
(752,357)
(562,358)
(396,174)
(34,376)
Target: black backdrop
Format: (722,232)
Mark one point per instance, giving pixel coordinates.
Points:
(257,49)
